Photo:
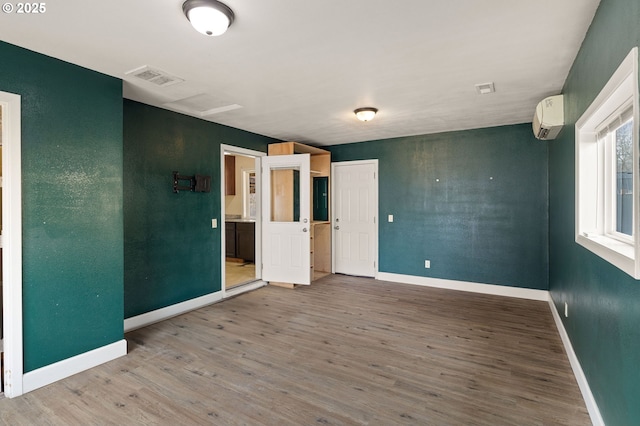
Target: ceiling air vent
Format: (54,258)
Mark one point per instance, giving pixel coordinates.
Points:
(155,76)
(202,105)
(485,88)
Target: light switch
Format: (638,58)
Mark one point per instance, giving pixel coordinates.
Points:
(390,218)
(214,223)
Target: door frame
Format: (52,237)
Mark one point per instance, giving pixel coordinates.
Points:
(222,223)
(373,162)
(12,243)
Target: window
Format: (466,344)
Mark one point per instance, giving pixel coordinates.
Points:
(250,203)
(621,142)
(607,213)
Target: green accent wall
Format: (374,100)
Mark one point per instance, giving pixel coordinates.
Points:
(171,252)
(473,202)
(604,302)
(72,205)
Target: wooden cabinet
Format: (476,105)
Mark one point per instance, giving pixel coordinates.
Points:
(320,249)
(246,241)
(240,240)
(230,239)
(229,175)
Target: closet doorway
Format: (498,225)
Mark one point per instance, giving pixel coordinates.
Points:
(241,229)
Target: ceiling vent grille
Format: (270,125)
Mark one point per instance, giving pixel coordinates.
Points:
(202,105)
(155,76)
(485,88)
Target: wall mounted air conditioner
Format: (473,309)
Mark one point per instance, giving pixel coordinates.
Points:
(549,118)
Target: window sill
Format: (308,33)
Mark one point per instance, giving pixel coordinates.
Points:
(618,253)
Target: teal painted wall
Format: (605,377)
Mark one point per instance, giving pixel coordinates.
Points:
(472,228)
(171,252)
(72,205)
(604,302)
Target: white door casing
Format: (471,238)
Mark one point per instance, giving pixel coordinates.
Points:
(286,238)
(354,217)
(12,243)
(222,223)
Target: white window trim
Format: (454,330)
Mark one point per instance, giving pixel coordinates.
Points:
(590,206)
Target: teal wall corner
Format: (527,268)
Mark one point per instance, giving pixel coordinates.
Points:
(473,202)
(72,205)
(604,308)
(171,252)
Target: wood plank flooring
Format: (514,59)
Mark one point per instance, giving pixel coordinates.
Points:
(343,351)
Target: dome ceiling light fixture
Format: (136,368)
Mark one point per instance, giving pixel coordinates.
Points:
(209,17)
(365,114)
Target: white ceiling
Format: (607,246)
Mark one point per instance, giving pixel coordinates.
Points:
(299,68)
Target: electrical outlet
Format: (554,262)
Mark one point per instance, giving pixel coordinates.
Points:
(427,264)
(214,223)
(566,310)
(390,218)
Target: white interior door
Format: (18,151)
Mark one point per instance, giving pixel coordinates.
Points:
(286,222)
(355,207)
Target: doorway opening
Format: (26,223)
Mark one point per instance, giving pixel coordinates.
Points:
(241,239)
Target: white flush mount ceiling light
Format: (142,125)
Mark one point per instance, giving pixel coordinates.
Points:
(365,114)
(209,17)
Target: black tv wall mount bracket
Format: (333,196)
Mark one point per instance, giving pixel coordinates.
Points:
(196,183)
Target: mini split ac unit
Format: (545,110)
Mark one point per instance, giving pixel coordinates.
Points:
(549,118)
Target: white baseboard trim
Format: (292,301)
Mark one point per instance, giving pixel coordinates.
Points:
(68,367)
(498,290)
(587,395)
(162,314)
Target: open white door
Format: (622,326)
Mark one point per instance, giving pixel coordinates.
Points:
(286,219)
(354,212)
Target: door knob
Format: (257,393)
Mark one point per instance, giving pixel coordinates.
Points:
(336,227)
(304,229)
